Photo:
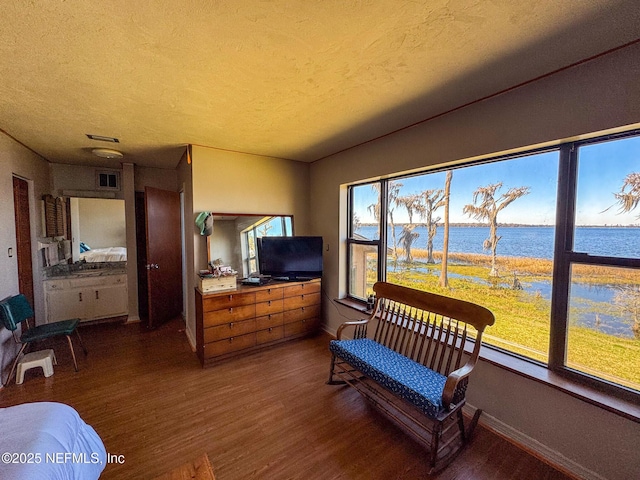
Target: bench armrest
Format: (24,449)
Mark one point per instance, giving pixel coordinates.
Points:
(350,324)
(453,380)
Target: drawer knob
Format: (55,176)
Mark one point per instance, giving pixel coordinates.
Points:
(230,339)
(231,310)
(270,329)
(231,325)
(269,303)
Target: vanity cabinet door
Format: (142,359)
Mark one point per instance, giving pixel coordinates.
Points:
(68,304)
(109,301)
(86,298)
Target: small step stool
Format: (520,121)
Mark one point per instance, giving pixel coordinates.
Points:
(43,358)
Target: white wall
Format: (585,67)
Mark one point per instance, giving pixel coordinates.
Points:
(185,185)
(599,95)
(80,181)
(20,161)
(230,182)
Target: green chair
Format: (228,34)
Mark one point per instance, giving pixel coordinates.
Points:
(16,309)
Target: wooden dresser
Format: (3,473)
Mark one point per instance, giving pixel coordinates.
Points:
(235,322)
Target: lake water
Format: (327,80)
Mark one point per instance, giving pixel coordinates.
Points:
(533,242)
(537,242)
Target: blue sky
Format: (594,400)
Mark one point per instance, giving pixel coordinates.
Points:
(601,172)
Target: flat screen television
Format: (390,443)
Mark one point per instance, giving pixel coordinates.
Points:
(290,258)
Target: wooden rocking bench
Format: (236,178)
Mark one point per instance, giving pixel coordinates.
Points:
(416,366)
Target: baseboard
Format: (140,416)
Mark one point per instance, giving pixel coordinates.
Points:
(331,332)
(534,447)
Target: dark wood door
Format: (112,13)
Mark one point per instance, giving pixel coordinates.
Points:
(141,248)
(164,254)
(23,237)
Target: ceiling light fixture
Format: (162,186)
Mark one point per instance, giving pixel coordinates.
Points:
(106,153)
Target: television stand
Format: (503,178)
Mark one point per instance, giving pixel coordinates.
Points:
(294,279)
(251,317)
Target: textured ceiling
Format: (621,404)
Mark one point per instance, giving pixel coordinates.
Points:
(292,79)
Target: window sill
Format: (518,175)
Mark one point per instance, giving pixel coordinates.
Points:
(543,375)
(353,304)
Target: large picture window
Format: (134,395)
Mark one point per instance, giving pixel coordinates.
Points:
(548,240)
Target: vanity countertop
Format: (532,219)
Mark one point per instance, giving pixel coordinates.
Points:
(88,273)
(84,269)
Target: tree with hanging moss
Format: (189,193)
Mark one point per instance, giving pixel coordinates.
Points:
(432,199)
(486,206)
(628,197)
(413,204)
(394,192)
(374,208)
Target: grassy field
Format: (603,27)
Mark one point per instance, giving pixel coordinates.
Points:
(522,318)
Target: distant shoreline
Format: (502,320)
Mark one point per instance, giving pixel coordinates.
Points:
(484,225)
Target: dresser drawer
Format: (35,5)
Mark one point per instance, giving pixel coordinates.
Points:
(228,300)
(270,334)
(303,326)
(271,306)
(267,321)
(301,313)
(269,294)
(301,289)
(235,322)
(229,345)
(231,314)
(228,330)
(301,301)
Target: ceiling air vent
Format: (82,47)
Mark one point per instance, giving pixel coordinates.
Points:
(102,138)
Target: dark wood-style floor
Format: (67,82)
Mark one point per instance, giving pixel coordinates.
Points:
(269,415)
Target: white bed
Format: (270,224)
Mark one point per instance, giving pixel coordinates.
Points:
(110,254)
(46,440)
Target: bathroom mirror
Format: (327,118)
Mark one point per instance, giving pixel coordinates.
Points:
(98,229)
(233,241)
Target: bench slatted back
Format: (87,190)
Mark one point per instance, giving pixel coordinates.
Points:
(428,328)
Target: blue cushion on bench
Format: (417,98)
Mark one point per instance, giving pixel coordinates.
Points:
(415,383)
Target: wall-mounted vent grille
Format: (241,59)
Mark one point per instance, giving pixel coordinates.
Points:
(107,180)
